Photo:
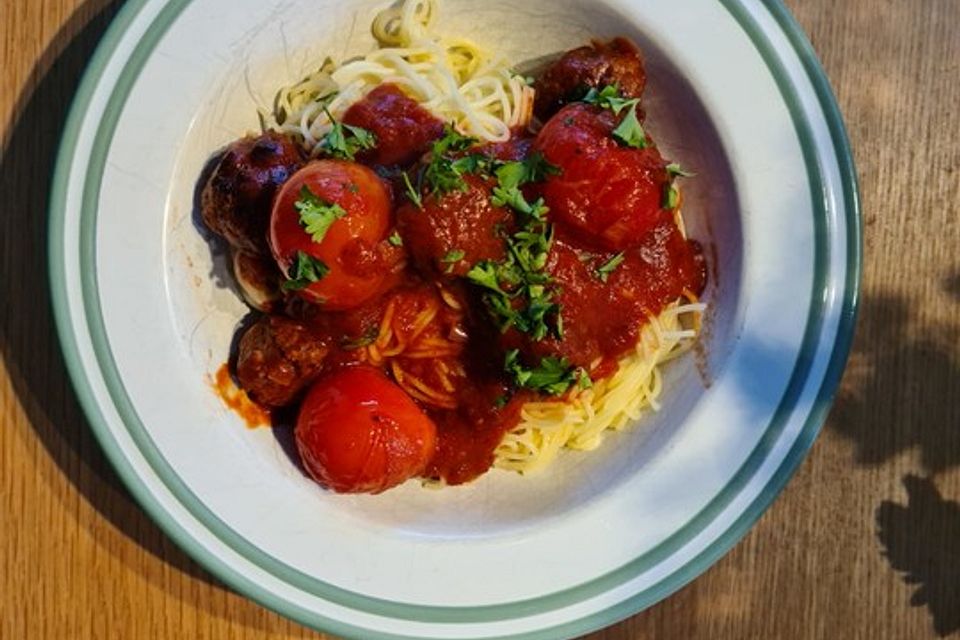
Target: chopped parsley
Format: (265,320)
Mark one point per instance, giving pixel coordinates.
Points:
(395,239)
(675,170)
(552,376)
(316,214)
(413,192)
(604,270)
(671,196)
(444,173)
(513,175)
(344,141)
(583,379)
(518,291)
(362,341)
(306,271)
(629,132)
(452,258)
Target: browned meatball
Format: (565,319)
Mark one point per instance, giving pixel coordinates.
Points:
(566,80)
(278,358)
(455,231)
(236,201)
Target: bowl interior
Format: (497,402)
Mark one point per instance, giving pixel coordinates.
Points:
(206,310)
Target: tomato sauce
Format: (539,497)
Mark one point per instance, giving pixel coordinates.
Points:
(237,399)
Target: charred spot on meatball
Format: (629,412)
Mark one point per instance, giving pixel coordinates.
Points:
(278,357)
(617,62)
(236,200)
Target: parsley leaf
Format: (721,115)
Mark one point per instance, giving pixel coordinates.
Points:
(671,196)
(484,274)
(629,132)
(513,175)
(453,256)
(443,173)
(344,141)
(395,239)
(413,193)
(316,214)
(366,339)
(604,270)
(553,375)
(306,271)
(675,170)
(518,290)
(583,379)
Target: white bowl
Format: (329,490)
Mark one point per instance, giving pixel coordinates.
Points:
(146,315)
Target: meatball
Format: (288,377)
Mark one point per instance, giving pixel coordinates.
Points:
(617,62)
(237,198)
(456,230)
(277,358)
(404,129)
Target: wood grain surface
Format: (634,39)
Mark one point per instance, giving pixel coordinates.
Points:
(864,542)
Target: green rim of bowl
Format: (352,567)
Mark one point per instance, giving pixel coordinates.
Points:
(437,614)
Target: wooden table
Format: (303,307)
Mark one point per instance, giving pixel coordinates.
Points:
(878,499)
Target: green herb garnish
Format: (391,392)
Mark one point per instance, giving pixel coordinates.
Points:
(444,174)
(306,271)
(518,291)
(395,239)
(604,270)
(629,132)
(413,192)
(513,175)
(363,341)
(675,170)
(344,141)
(453,256)
(671,196)
(316,214)
(553,375)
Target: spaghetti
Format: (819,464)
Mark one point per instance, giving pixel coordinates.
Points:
(453,78)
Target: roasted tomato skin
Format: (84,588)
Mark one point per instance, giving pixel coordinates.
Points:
(351,247)
(358,432)
(611,194)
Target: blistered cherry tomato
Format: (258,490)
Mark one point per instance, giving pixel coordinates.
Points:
(358,432)
(609,194)
(352,270)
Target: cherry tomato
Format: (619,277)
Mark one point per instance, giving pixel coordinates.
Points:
(358,432)
(610,194)
(349,248)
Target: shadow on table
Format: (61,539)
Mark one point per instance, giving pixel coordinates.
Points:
(902,386)
(901,392)
(27,337)
(922,540)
